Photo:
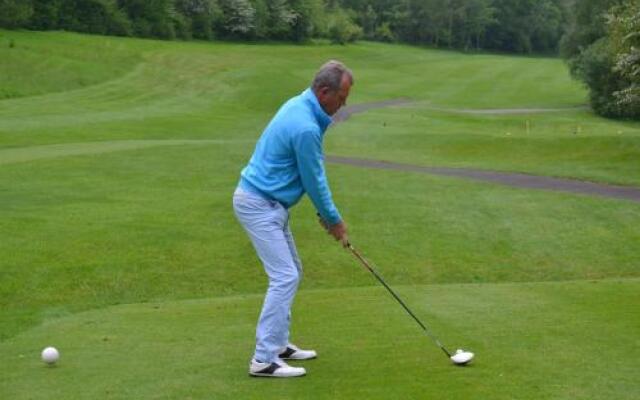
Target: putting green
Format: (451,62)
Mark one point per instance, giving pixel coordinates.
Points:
(575,340)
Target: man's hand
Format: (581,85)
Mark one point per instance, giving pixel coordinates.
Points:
(338,231)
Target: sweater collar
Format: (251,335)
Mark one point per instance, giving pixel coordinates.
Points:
(324,120)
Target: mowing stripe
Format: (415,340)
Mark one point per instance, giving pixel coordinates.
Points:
(32,153)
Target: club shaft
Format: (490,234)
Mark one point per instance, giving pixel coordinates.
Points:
(395,296)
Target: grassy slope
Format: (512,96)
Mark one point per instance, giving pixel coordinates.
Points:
(65,62)
(185,91)
(119,192)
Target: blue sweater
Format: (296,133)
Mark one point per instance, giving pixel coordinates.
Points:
(288,159)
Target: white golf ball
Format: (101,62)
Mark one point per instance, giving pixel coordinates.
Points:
(459,351)
(50,355)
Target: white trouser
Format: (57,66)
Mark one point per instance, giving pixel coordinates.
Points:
(267,224)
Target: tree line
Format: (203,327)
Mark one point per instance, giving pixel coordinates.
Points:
(291,20)
(521,26)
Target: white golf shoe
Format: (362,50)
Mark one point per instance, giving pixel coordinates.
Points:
(276,369)
(293,352)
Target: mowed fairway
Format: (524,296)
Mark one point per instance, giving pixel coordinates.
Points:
(118,158)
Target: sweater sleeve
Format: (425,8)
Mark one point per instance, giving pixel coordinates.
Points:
(308,148)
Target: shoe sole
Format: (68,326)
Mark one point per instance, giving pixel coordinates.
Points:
(259,375)
(299,359)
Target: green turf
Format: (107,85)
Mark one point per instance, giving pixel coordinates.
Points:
(569,340)
(118,158)
(572,144)
(65,62)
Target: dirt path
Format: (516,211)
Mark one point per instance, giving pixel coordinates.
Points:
(504,178)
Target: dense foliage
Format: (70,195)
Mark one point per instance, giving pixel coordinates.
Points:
(602,49)
(295,20)
(624,38)
(507,25)
(521,26)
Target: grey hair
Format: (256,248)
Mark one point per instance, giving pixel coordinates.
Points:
(330,75)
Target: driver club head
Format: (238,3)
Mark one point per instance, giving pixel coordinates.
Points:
(462,357)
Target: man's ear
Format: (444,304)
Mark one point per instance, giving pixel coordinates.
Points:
(325,90)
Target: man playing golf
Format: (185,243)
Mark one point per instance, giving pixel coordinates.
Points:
(288,162)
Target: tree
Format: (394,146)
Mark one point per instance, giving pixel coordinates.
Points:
(526,26)
(309,19)
(600,47)
(261,19)
(624,38)
(481,15)
(15,13)
(238,18)
(45,14)
(586,25)
(280,19)
(547,21)
(200,16)
(150,18)
(383,33)
(341,28)
(93,16)
(367,19)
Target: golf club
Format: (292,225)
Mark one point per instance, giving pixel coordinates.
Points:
(459,358)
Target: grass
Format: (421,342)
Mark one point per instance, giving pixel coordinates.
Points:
(525,336)
(573,144)
(118,158)
(65,63)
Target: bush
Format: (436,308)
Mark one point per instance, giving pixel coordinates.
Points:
(342,29)
(609,65)
(595,67)
(384,34)
(624,34)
